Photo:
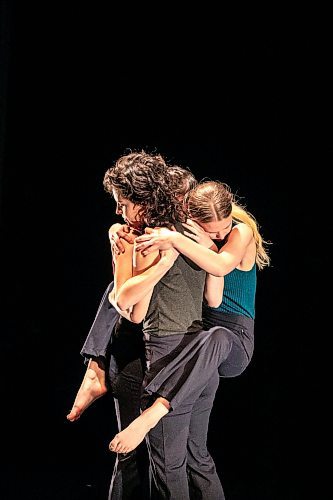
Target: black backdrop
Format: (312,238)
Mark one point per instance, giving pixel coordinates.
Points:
(80,88)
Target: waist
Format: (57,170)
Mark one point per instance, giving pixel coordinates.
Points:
(214,317)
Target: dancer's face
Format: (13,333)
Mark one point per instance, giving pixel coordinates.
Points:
(217,230)
(127,209)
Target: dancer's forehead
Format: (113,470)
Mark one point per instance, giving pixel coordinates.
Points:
(218,229)
(117,196)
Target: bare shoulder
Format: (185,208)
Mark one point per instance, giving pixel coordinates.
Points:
(123,231)
(243,230)
(114,228)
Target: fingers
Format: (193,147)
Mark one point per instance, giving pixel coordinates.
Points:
(150,249)
(128,237)
(193,236)
(116,241)
(193,224)
(143,237)
(189,222)
(146,246)
(191,228)
(117,246)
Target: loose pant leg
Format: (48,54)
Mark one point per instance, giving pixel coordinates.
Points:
(193,362)
(99,336)
(182,466)
(204,482)
(130,478)
(167,443)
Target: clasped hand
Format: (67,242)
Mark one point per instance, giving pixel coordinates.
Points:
(159,238)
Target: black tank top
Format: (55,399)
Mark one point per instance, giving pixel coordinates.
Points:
(176,303)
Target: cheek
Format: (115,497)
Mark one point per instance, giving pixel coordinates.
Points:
(135,213)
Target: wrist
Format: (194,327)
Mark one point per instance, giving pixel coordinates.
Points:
(165,262)
(175,238)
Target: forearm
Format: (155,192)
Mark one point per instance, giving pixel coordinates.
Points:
(136,288)
(139,310)
(214,290)
(136,313)
(212,262)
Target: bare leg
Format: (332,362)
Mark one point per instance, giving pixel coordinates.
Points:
(128,439)
(93,387)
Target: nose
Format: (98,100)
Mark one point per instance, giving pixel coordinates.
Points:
(118,210)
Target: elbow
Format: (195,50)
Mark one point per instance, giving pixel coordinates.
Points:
(216,271)
(122,304)
(119,302)
(219,273)
(136,318)
(213,303)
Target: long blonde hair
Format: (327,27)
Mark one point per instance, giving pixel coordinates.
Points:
(213,201)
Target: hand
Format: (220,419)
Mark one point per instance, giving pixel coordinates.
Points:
(197,233)
(169,256)
(118,232)
(159,238)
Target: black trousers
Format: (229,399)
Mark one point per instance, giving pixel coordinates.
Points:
(120,345)
(181,467)
(185,369)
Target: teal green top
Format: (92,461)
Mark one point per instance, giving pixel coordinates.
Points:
(239,293)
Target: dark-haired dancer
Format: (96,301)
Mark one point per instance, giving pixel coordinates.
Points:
(115,357)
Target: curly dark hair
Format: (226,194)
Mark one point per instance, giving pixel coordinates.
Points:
(143,179)
(182,180)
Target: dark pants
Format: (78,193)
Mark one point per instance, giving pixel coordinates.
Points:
(181,463)
(185,369)
(177,374)
(120,345)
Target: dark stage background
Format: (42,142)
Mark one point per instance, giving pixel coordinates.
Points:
(74,99)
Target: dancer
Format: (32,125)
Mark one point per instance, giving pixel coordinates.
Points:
(115,346)
(175,352)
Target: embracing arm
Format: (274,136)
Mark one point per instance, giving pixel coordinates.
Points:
(217,264)
(214,290)
(122,271)
(133,295)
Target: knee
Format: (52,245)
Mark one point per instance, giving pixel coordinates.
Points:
(230,370)
(222,338)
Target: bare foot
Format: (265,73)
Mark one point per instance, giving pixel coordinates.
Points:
(128,439)
(93,387)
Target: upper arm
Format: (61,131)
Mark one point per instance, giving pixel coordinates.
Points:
(143,262)
(123,265)
(234,249)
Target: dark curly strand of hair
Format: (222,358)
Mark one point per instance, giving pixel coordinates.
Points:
(182,180)
(143,179)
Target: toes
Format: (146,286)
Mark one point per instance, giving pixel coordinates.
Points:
(74,414)
(114,444)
